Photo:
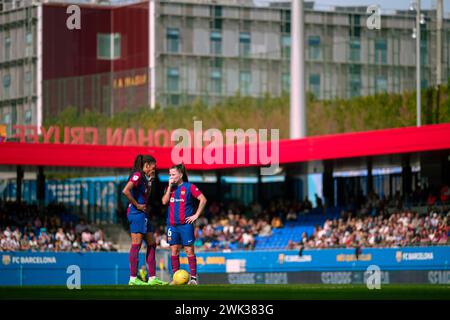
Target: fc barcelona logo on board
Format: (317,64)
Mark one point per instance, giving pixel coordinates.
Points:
(398,256)
(6,260)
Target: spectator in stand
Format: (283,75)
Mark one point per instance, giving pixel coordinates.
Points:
(291,245)
(444,194)
(81,227)
(292,215)
(265,229)
(277,223)
(247,240)
(431,200)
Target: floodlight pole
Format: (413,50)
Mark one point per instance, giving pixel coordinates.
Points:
(298,99)
(418,102)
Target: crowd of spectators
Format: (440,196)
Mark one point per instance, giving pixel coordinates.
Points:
(370,221)
(399,229)
(22,228)
(367,221)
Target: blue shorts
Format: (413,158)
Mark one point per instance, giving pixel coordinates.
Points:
(181,234)
(139,223)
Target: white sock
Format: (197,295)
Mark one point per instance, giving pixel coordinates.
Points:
(151,278)
(132,278)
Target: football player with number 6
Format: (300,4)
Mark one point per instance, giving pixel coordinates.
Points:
(181,215)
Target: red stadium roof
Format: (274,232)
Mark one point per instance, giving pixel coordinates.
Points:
(349,145)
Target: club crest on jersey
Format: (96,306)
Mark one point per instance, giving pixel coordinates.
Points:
(183,192)
(135,177)
(172,199)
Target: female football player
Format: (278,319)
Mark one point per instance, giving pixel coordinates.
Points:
(137,191)
(181,215)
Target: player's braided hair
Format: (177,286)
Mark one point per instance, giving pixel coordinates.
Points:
(139,162)
(182,169)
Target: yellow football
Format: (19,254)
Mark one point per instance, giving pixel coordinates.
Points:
(181,277)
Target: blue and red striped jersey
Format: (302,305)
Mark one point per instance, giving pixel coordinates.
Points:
(181,204)
(139,191)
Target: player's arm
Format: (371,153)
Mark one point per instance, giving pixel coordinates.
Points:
(201,206)
(127,193)
(166,196)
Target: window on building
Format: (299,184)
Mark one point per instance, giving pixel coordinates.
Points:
(6,85)
(216,81)
(424,83)
(173,40)
(108,46)
(285,26)
(7,119)
(6,81)
(116,46)
(380,51)
(216,14)
(215,24)
(218,11)
(28,117)
(216,42)
(7,48)
(29,38)
(355,49)
(314,48)
(245,82)
(381,84)
(423,49)
(29,43)
(314,85)
(396,80)
(354,81)
(355,25)
(286,82)
(216,62)
(173,79)
(286,46)
(28,77)
(244,44)
(174,100)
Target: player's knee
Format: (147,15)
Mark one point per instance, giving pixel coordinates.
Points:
(189,251)
(136,244)
(136,241)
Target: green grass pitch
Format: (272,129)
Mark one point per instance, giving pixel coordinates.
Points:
(231,292)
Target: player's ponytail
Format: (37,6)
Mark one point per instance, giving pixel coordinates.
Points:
(139,162)
(183,171)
